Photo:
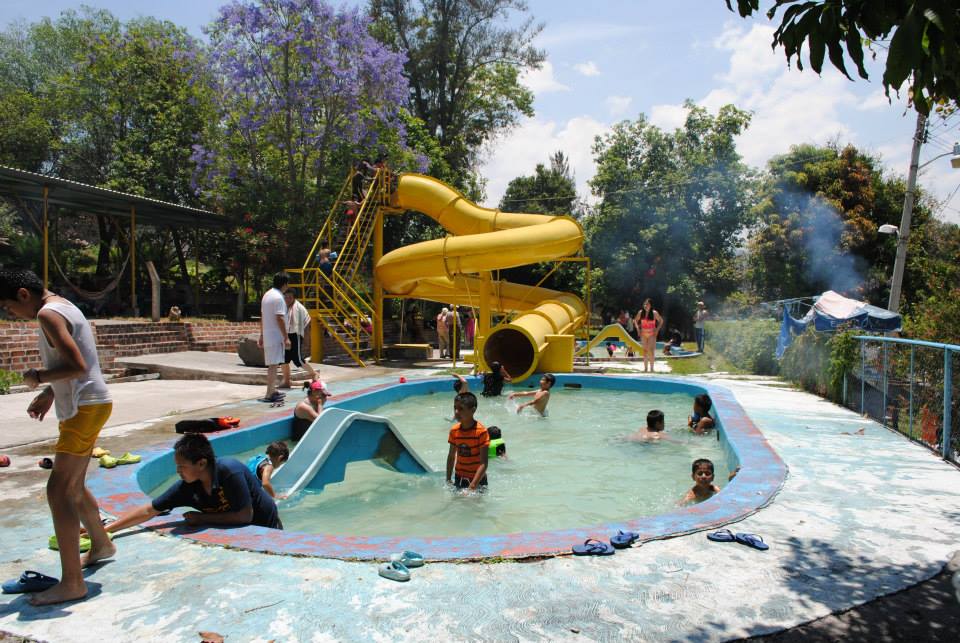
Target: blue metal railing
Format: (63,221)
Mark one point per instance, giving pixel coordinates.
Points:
(895,380)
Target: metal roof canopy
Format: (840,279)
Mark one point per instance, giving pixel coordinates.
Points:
(31,186)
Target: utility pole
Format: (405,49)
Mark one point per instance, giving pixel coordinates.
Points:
(904,235)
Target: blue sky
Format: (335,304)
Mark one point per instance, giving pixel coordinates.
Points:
(610,60)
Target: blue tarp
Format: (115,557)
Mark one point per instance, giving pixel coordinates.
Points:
(832,310)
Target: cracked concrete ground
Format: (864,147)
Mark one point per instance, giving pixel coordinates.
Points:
(859,517)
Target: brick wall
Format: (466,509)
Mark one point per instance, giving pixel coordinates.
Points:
(18,346)
(220,337)
(18,341)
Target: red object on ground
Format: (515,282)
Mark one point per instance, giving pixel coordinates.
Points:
(403,380)
(4,461)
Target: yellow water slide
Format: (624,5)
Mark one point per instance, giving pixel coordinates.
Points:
(443,270)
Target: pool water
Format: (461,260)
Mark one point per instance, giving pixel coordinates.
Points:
(622,352)
(571,469)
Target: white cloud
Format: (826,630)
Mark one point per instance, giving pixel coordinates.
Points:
(668,117)
(542,81)
(533,141)
(588,68)
(618,105)
(788,106)
(876,100)
(572,33)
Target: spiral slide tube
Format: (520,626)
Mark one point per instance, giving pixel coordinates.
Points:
(485,240)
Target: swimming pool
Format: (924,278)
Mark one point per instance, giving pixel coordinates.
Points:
(571,468)
(621,352)
(762,475)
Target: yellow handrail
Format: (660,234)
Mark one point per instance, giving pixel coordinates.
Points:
(325,228)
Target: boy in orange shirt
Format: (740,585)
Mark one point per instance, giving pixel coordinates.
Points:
(469,446)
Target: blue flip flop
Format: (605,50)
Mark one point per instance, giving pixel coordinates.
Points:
(722,536)
(29,581)
(593,547)
(752,540)
(624,539)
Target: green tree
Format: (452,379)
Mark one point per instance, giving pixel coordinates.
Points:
(672,207)
(924,40)
(549,191)
(464,59)
(817,218)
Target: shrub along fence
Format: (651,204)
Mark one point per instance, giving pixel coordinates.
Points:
(748,344)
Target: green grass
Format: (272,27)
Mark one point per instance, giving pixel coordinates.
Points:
(8,379)
(708,362)
(459,370)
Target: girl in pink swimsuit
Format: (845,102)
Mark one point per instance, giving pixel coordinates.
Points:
(649,321)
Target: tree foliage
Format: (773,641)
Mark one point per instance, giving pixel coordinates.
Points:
(464,59)
(672,206)
(549,191)
(817,216)
(924,40)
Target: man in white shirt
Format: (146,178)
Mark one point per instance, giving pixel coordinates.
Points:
(297,321)
(273,333)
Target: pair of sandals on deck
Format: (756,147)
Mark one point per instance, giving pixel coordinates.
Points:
(750,540)
(624,539)
(594,547)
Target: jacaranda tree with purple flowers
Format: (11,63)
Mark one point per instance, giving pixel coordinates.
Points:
(303,85)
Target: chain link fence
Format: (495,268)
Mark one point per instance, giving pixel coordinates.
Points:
(910,386)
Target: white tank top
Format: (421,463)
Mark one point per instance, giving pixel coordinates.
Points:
(87,389)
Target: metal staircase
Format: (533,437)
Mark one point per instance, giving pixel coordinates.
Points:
(339,299)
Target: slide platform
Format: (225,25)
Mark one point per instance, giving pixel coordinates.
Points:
(337,437)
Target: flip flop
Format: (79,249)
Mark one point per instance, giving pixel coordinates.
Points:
(394,571)
(128,458)
(752,540)
(624,539)
(29,581)
(108,462)
(85,542)
(99,453)
(408,559)
(593,547)
(722,536)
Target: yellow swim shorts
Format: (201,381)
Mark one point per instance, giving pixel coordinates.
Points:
(79,433)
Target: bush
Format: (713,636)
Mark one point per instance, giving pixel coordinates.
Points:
(749,345)
(8,379)
(818,362)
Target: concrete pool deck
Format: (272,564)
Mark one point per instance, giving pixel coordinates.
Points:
(858,517)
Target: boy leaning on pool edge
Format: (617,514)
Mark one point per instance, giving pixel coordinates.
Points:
(223,489)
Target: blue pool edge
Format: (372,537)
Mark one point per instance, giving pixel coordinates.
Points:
(762,476)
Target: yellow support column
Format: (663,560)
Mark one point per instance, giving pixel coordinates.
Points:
(483,321)
(133,259)
(377,286)
(316,340)
(46,243)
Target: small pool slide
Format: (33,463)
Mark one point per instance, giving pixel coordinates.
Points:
(339,436)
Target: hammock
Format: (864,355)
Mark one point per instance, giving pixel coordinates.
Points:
(91,295)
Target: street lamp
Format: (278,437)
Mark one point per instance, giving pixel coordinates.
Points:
(886,228)
(904,230)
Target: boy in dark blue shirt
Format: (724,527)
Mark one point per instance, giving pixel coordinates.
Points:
(224,491)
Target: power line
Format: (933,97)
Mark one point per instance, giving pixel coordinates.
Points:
(945,205)
(660,186)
